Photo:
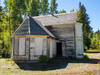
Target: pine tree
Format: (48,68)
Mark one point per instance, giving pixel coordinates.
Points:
(84,18)
(53,7)
(44,7)
(62,11)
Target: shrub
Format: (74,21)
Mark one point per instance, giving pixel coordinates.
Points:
(43,59)
(86,56)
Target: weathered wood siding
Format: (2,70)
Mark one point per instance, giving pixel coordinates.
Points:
(20,49)
(52,48)
(67,35)
(21,46)
(79,40)
(36,48)
(39,46)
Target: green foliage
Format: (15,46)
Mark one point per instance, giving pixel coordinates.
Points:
(33,9)
(86,56)
(53,7)
(95,40)
(44,7)
(93,51)
(43,59)
(83,18)
(62,11)
(5,45)
(72,10)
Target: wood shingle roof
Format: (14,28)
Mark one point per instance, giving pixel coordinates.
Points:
(37,25)
(32,27)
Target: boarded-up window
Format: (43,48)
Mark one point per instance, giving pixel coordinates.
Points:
(21,46)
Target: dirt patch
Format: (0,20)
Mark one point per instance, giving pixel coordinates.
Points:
(60,67)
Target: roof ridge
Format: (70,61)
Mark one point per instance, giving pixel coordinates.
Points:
(56,14)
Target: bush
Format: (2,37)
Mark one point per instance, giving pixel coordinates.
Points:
(86,57)
(43,59)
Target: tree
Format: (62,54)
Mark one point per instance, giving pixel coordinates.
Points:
(44,7)
(4,35)
(62,11)
(34,8)
(95,40)
(84,18)
(53,7)
(72,10)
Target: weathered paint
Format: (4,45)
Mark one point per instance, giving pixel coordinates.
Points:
(30,47)
(65,33)
(28,36)
(16,46)
(38,47)
(79,40)
(52,48)
(21,46)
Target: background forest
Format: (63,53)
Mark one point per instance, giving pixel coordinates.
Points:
(14,11)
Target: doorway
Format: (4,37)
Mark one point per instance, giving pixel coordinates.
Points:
(59,49)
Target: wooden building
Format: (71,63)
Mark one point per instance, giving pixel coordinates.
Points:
(53,35)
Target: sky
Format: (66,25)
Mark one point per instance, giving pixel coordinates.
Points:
(92,7)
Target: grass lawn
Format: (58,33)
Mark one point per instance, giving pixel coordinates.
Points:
(58,67)
(93,51)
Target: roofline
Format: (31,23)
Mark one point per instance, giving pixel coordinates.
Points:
(45,29)
(19,26)
(55,14)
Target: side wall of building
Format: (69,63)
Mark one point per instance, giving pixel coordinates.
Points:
(31,48)
(65,33)
(79,40)
(52,48)
(20,48)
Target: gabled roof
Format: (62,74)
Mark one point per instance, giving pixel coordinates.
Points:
(57,19)
(32,27)
(37,25)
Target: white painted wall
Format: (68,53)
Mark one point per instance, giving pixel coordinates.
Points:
(21,46)
(38,47)
(79,40)
(52,48)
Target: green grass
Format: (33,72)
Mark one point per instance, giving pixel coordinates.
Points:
(93,51)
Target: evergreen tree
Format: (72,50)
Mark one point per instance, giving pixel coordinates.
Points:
(34,8)
(62,11)
(53,7)
(83,18)
(44,7)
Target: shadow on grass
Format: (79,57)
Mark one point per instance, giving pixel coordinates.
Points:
(56,64)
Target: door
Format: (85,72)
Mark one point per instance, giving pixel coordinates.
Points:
(59,49)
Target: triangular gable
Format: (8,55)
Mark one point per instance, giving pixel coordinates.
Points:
(31,27)
(23,29)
